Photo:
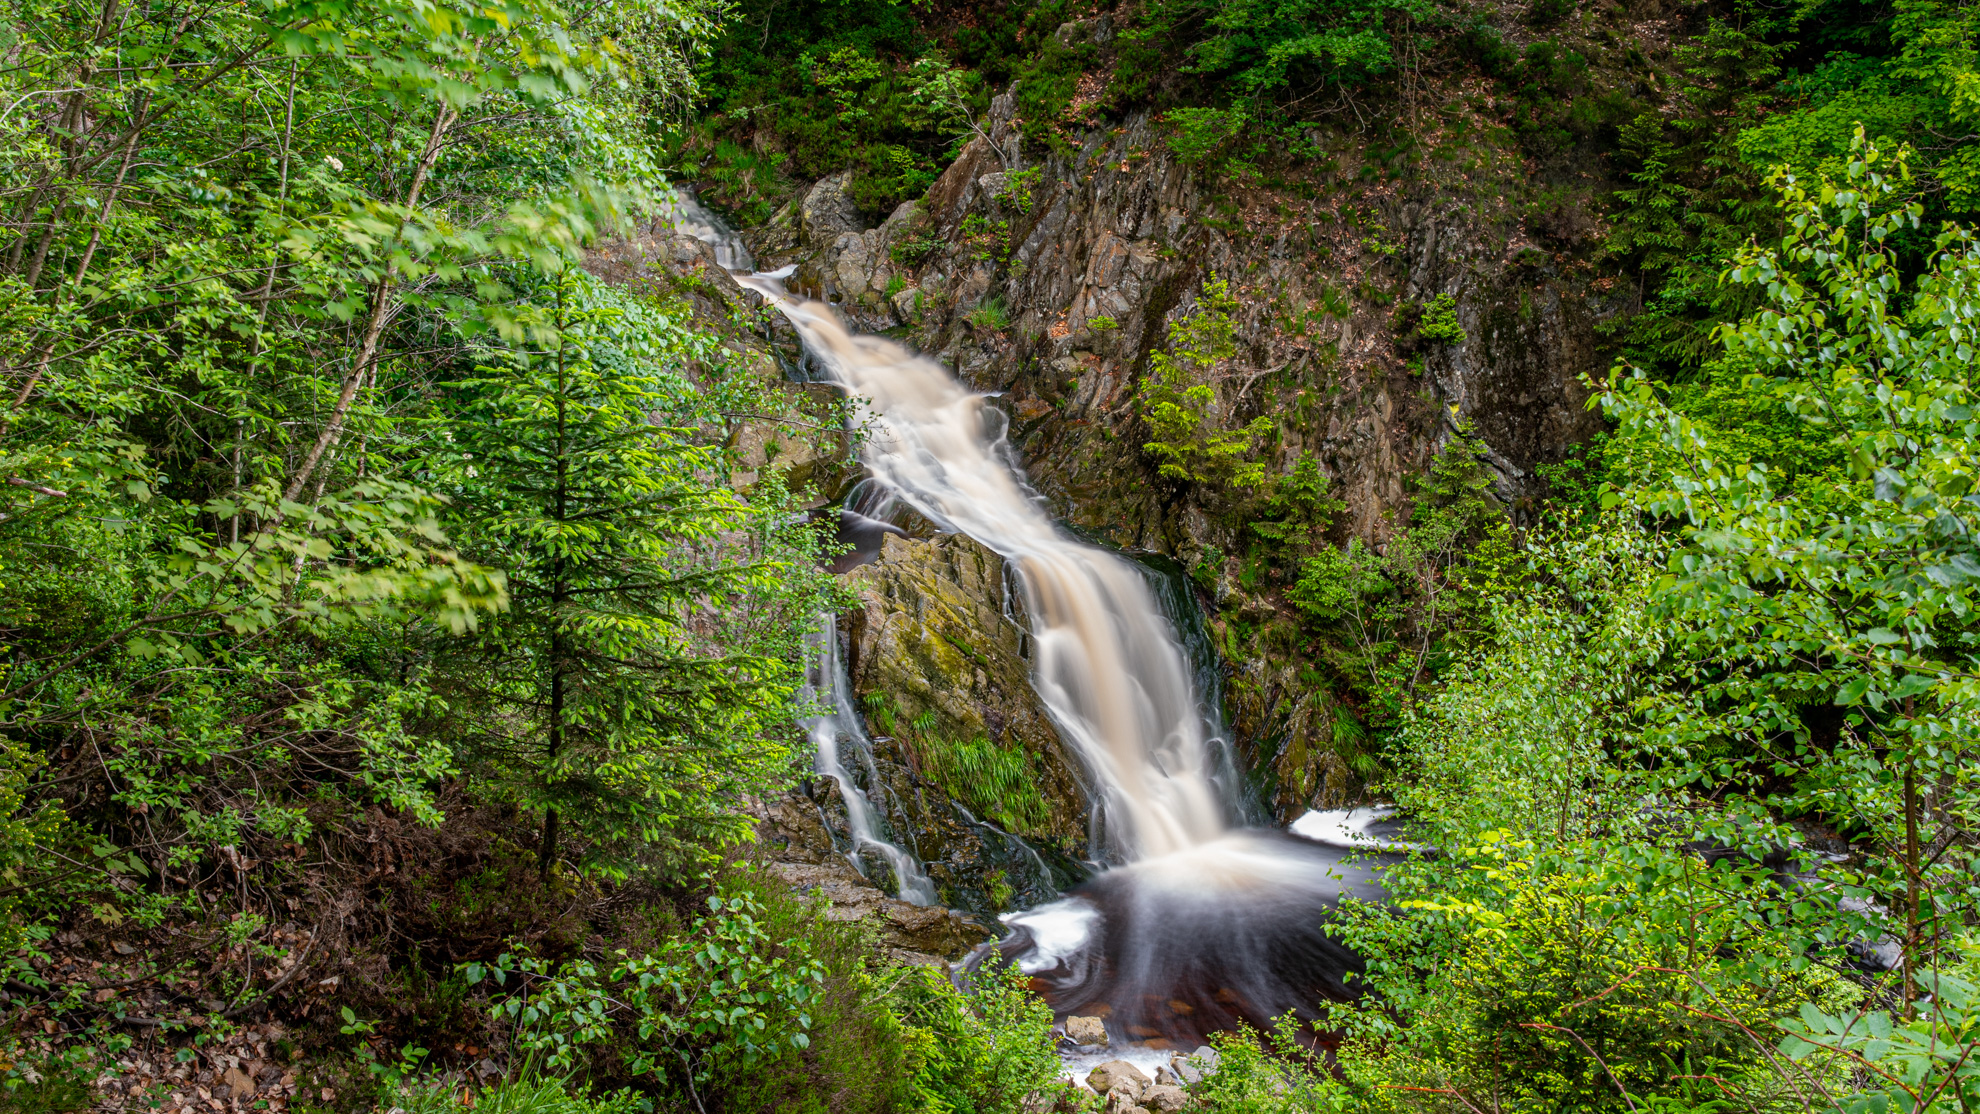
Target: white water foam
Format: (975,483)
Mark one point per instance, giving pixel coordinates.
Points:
(1058,930)
(1354,829)
(1107,665)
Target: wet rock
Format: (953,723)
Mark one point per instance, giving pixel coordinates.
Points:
(943,635)
(1113,249)
(1164,1098)
(778,237)
(929,929)
(853,271)
(1118,1076)
(1086,1030)
(925,935)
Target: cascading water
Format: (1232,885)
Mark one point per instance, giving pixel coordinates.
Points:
(1200,926)
(690,218)
(1107,664)
(827,684)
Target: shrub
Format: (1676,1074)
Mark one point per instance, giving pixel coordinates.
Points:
(1570,988)
(1193,440)
(913,251)
(862,1053)
(727,995)
(530,1092)
(1439,322)
(1269,1073)
(25,835)
(985,1052)
(765,1003)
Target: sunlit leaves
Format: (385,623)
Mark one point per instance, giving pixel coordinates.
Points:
(1854,589)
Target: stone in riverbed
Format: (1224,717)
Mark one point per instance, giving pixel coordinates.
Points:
(1196,1065)
(1086,1030)
(1118,1075)
(1164,1098)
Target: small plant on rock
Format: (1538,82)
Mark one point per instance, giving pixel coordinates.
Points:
(1439,323)
(914,250)
(990,315)
(1180,404)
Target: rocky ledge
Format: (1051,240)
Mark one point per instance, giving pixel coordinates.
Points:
(795,846)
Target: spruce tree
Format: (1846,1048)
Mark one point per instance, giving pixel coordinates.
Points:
(641,684)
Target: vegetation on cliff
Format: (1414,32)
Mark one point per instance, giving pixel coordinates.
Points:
(1711,769)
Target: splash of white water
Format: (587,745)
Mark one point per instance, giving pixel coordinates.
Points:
(826,683)
(690,218)
(1369,828)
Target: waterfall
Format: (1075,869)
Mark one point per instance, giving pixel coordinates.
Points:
(827,684)
(692,219)
(1107,665)
(1200,927)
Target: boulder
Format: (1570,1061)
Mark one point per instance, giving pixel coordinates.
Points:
(1086,1030)
(919,934)
(1196,1065)
(1164,1098)
(827,213)
(861,265)
(1118,1075)
(938,635)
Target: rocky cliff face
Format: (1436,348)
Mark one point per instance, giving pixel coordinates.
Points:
(1050,279)
(941,632)
(1047,276)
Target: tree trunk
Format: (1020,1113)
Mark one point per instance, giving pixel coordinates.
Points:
(559,594)
(380,312)
(1913,885)
(547,856)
